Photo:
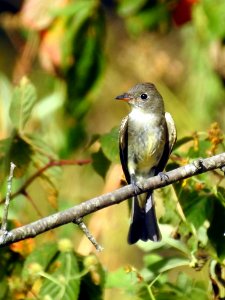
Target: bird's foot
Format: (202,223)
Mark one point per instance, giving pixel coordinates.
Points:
(163,176)
(136,186)
(198,163)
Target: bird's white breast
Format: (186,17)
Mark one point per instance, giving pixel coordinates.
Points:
(144,121)
(140,117)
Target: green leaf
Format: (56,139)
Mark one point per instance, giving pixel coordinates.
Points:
(63,282)
(87,51)
(215,20)
(40,146)
(171,263)
(121,279)
(42,255)
(161,264)
(147,19)
(42,155)
(16,150)
(185,288)
(77,14)
(110,145)
(23,100)
(166,243)
(74,9)
(177,244)
(197,206)
(151,259)
(171,215)
(100,163)
(87,47)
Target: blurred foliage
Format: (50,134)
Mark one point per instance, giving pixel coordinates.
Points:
(50,271)
(79,55)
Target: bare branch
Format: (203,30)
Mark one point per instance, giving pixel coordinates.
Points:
(85,230)
(7,199)
(119,195)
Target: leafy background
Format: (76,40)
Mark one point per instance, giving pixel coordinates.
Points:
(61,65)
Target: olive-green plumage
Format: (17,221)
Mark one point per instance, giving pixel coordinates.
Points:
(147,136)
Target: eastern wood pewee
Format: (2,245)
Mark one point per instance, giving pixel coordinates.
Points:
(147,136)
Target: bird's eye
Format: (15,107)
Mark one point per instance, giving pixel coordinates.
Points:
(144,96)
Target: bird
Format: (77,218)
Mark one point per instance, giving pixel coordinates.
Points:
(146,138)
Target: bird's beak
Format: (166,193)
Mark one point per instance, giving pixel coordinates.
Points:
(125,97)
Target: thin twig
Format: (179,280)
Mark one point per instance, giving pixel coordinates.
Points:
(119,195)
(7,199)
(85,230)
(52,163)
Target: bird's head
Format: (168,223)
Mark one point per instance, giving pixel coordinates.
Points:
(144,96)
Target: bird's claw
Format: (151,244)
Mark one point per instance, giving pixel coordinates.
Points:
(163,176)
(198,163)
(137,188)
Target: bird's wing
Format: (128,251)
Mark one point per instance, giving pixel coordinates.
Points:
(172,132)
(171,139)
(123,144)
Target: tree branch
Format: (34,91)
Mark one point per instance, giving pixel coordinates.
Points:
(85,230)
(69,215)
(7,199)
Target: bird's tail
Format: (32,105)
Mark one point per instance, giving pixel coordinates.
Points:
(144,224)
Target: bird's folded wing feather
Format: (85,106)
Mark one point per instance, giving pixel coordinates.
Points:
(123,137)
(171,139)
(172,132)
